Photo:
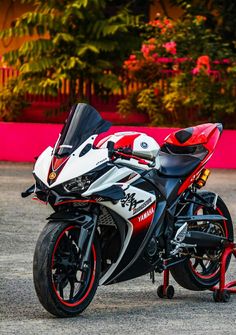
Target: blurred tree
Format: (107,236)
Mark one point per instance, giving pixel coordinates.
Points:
(80,39)
(221,15)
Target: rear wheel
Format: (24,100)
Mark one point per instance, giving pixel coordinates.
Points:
(62,287)
(201,270)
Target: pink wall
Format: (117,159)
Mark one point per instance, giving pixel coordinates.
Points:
(21,142)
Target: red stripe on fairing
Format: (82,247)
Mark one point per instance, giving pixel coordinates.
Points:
(57,162)
(41,201)
(99,142)
(126,141)
(57,165)
(91,279)
(144,219)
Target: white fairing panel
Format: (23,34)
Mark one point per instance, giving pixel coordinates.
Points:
(135,202)
(112,177)
(75,165)
(42,165)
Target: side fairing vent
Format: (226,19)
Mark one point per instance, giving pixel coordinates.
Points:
(105,218)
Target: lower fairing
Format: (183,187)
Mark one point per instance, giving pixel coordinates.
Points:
(133,261)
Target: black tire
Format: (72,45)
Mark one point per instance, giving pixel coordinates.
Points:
(55,273)
(185,274)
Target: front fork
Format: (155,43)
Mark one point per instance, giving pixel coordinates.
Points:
(87,235)
(88,226)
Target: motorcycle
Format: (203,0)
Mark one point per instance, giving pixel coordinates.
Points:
(124,207)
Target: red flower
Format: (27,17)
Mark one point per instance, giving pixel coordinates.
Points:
(170,47)
(200,18)
(132,57)
(164,60)
(203,64)
(152,40)
(156,91)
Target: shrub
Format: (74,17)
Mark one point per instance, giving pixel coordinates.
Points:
(186,73)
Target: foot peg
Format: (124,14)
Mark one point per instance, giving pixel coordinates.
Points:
(178,240)
(181,233)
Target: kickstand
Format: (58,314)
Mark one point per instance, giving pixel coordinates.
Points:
(222,292)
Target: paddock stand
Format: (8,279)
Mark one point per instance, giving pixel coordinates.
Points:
(165,290)
(221,293)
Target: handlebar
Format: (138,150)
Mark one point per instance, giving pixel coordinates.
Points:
(128,153)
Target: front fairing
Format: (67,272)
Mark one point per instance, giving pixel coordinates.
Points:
(75,165)
(73,154)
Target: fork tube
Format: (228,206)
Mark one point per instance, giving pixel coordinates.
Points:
(90,242)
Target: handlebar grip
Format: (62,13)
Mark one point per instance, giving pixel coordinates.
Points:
(27,192)
(110,147)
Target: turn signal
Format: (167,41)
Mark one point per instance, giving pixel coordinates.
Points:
(201,180)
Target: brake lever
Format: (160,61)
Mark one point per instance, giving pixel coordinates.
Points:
(125,153)
(128,157)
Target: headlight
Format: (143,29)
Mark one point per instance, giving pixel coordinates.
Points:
(79,184)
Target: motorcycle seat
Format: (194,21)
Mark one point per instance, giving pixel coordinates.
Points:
(177,165)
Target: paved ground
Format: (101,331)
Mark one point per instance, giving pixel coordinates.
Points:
(126,308)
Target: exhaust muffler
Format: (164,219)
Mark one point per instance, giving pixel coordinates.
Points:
(204,240)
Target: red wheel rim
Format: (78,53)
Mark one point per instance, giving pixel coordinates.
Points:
(92,273)
(211,275)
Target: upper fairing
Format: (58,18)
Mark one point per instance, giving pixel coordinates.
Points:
(42,165)
(74,166)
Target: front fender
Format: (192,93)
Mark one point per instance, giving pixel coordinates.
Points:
(83,219)
(88,225)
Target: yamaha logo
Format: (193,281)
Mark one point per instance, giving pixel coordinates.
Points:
(144,145)
(146,214)
(52,175)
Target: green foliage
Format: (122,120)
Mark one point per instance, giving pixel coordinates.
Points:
(186,73)
(11,101)
(205,97)
(77,39)
(148,103)
(221,16)
(130,104)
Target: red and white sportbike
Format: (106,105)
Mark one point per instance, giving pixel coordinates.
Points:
(123,207)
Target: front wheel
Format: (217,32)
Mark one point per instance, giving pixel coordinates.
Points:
(62,288)
(201,270)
